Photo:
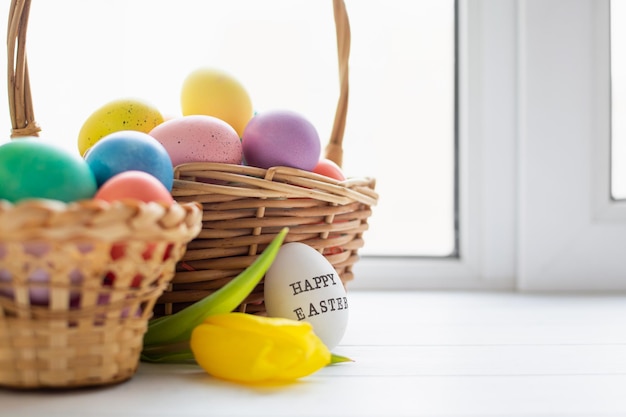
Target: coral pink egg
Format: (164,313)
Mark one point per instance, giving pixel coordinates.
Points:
(199,138)
(137,185)
(330,169)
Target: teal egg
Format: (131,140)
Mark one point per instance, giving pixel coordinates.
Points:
(34,168)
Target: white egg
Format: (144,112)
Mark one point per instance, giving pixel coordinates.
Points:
(302,285)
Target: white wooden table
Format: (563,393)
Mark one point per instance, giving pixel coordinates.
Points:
(416,354)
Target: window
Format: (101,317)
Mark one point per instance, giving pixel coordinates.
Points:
(402,130)
(535,205)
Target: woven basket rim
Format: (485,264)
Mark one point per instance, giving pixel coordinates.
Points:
(40,219)
(274,182)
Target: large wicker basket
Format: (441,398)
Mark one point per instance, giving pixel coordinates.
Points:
(78,281)
(246,207)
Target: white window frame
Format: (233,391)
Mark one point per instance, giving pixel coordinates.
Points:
(535,212)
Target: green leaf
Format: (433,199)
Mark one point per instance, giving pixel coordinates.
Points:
(177,327)
(338,359)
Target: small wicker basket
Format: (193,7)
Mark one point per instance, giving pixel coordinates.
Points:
(246,207)
(78,281)
(77,286)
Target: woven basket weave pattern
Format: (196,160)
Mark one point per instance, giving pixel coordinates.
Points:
(245,207)
(104,267)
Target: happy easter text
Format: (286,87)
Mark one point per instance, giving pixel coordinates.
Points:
(323,306)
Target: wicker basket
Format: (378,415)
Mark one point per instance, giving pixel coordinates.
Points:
(78,281)
(77,286)
(246,207)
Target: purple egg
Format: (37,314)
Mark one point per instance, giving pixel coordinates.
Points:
(281,138)
(39,294)
(5,277)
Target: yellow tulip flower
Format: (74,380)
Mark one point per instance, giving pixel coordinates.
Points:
(247,348)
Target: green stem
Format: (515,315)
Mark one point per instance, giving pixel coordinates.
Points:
(178,327)
(339,359)
(178,357)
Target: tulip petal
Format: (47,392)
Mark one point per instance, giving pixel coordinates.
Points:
(247,348)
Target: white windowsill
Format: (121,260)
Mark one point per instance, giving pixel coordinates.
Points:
(416,354)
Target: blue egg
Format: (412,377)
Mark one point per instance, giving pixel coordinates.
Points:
(128,150)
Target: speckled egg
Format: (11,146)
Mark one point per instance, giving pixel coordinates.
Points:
(199,138)
(121,114)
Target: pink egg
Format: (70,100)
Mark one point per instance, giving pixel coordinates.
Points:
(281,138)
(199,138)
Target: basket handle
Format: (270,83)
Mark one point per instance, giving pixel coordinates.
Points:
(20,99)
(334,148)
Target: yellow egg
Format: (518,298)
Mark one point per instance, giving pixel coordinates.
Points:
(216,93)
(117,115)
